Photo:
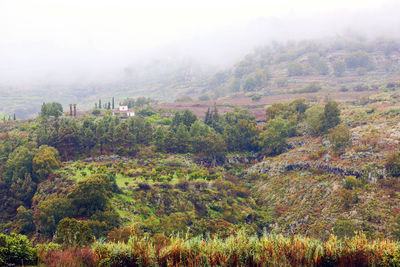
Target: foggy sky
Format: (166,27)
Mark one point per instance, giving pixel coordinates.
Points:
(61,40)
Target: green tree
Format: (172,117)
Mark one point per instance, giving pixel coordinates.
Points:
(357,59)
(339,67)
(51,109)
(19,162)
(212,146)
(124,140)
(250,84)
(50,211)
(392,164)
(159,138)
(24,221)
(23,189)
(183,138)
(340,137)
(71,232)
(331,115)
(45,161)
(16,249)
(91,194)
(273,139)
(318,63)
(314,120)
(295,69)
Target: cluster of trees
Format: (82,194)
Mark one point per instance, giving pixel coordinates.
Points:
(89,199)
(301,59)
(51,109)
(25,167)
(76,138)
(235,131)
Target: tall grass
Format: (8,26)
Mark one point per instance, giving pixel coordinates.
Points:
(244,250)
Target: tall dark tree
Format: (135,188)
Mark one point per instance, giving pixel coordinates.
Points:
(331,116)
(208,119)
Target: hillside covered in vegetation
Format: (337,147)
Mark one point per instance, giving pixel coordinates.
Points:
(316,184)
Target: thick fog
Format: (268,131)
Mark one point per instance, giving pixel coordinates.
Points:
(63,42)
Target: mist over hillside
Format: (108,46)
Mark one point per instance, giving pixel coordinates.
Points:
(124,50)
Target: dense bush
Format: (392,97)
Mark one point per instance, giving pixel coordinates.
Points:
(393,164)
(340,137)
(16,249)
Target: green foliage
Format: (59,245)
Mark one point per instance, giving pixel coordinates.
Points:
(71,232)
(339,67)
(241,249)
(187,118)
(204,97)
(392,164)
(350,182)
(139,102)
(296,69)
(344,228)
(314,120)
(45,161)
(19,162)
(311,88)
(24,221)
(293,111)
(184,98)
(256,97)
(211,145)
(50,212)
(318,63)
(357,59)
(273,139)
(340,137)
(91,194)
(96,111)
(241,132)
(51,109)
(331,116)
(16,249)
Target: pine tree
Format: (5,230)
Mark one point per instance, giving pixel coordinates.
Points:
(208,119)
(215,115)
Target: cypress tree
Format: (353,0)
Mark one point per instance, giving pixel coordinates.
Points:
(207,119)
(215,115)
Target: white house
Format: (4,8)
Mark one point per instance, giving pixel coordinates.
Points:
(123,112)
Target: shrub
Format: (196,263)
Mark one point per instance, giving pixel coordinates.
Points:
(184,98)
(357,59)
(339,67)
(144,186)
(340,137)
(350,182)
(71,232)
(256,97)
(344,228)
(16,249)
(311,88)
(393,164)
(73,257)
(204,97)
(295,69)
